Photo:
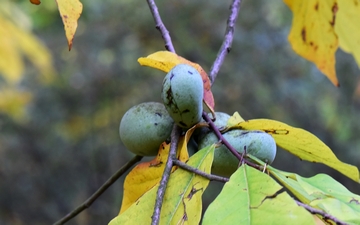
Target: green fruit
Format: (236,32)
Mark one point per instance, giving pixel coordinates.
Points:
(144,127)
(182,94)
(257,143)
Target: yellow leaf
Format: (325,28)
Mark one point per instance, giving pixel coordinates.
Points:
(144,177)
(182,202)
(234,119)
(70,11)
(165,61)
(301,143)
(15,42)
(347,27)
(147,174)
(312,34)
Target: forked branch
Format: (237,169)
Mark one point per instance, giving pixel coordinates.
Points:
(228,39)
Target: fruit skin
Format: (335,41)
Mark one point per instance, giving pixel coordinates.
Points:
(257,143)
(144,127)
(182,94)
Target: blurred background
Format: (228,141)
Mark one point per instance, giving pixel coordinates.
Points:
(60,110)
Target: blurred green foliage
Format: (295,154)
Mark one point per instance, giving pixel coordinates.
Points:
(70,144)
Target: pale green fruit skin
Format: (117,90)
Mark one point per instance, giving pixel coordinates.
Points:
(144,127)
(257,143)
(182,94)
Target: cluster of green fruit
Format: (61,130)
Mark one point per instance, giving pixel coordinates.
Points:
(145,126)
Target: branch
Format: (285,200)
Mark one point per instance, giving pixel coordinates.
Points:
(221,138)
(320,212)
(239,156)
(99,192)
(160,26)
(175,134)
(226,45)
(199,172)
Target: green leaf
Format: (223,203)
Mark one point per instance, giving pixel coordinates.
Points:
(182,202)
(322,192)
(252,197)
(301,143)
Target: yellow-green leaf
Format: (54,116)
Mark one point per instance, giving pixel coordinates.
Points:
(301,143)
(70,11)
(252,197)
(165,61)
(322,192)
(182,201)
(312,34)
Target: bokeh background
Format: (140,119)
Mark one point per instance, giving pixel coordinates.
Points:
(65,144)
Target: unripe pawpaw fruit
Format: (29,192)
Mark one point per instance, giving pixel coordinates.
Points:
(182,94)
(144,127)
(257,143)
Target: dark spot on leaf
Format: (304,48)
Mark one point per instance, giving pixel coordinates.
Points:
(155,124)
(279,131)
(334,10)
(190,72)
(158,114)
(316,6)
(193,191)
(182,123)
(303,34)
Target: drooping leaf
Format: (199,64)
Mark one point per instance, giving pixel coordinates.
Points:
(301,143)
(182,201)
(322,192)
(70,11)
(252,197)
(312,34)
(347,27)
(319,27)
(165,61)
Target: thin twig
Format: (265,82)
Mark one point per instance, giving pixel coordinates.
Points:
(221,138)
(229,36)
(320,212)
(160,26)
(175,134)
(201,173)
(99,192)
